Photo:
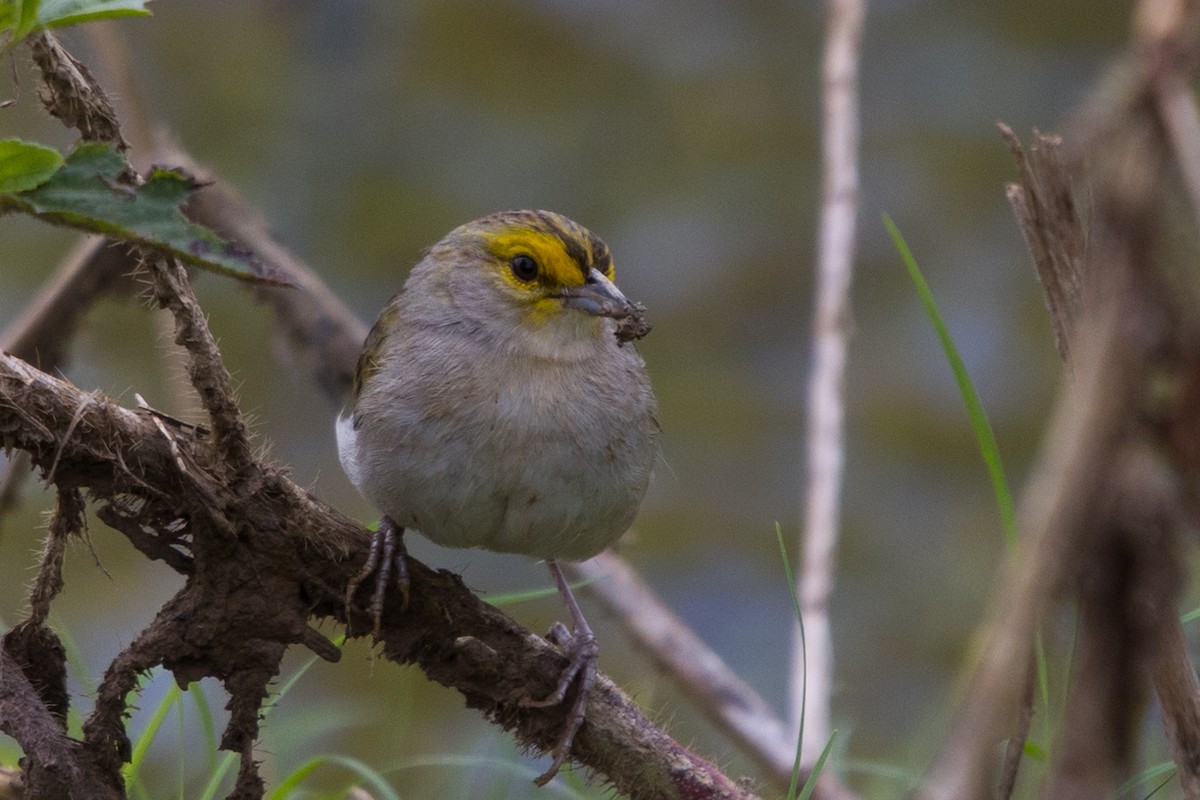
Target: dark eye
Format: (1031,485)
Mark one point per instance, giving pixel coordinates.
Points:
(523,267)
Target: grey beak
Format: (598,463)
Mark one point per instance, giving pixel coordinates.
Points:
(598,296)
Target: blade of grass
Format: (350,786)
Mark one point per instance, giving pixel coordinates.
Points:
(511,598)
(982,429)
(217,775)
(810,785)
(200,701)
(181,731)
(1145,776)
(142,745)
(380,787)
(791,579)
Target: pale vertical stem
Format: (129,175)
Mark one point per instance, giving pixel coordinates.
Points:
(812,682)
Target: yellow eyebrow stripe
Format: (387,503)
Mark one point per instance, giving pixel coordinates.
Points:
(557,266)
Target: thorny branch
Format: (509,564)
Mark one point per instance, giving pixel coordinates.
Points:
(251,595)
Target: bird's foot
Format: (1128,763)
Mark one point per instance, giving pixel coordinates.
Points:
(582,654)
(387,554)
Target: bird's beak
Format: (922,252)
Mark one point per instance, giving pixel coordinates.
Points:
(598,296)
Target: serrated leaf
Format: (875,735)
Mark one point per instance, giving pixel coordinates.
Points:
(26,165)
(56,13)
(87,192)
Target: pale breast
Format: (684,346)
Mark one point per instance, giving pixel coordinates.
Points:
(525,456)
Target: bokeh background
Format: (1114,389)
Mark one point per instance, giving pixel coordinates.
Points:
(685,133)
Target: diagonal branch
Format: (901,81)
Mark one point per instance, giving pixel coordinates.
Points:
(293,562)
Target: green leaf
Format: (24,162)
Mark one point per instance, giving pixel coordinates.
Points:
(56,13)
(25,165)
(26,17)
(988,447)
(88,192)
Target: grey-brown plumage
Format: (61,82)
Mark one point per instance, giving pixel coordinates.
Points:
(498,405)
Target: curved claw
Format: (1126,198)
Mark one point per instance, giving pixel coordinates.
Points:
(387,553)
(582,653)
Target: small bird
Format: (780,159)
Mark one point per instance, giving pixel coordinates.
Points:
(499,404)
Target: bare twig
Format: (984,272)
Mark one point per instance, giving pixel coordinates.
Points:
(1178,689)
(209,376)
(68,520)
(1044,206)
(812,659)
(70,93)
(1014,749)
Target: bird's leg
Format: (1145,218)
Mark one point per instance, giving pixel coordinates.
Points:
(387,553)
(582,654)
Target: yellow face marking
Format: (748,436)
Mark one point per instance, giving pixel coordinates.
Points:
(562,250)
(556,268)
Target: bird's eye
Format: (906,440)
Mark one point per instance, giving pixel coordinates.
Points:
(523,267)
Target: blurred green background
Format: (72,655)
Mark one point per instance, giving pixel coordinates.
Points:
(686,135)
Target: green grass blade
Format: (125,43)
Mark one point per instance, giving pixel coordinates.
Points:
(982,429)
(380,788)
(1162,785)
(207,727)
(1148,774)
(791,579)
(217,775)
(512,598)
(146,738)
(810,785)
(181,731)
(1043,679)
